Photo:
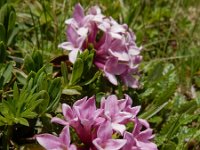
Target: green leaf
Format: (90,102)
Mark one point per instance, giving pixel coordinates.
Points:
(44,104)
(22,121)
(188,107)
(28,114)
(89,62)
(8,72)
(8,108)
(42,83)
(153,110)
(70,92)
(29,63)
(77,71)
(12,35)
(34,104)
(21,76)
(64,72)
(53,105)
(156,72)
(99,96)
(3,13)
(3,33)
(84,55)
(2,2)
(170,145)
(15,92)
(38,60)
(11,21)
(3,121)
(97,74)
(54,88)
(2,50)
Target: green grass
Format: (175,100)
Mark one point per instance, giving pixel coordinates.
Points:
(170,72)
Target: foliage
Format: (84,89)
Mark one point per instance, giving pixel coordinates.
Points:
(36,76)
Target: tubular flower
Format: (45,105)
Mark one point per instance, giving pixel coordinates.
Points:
(139,139)
(51,142)
(116,52)
(118,112)
(83,117)
(104,139)
(96,127)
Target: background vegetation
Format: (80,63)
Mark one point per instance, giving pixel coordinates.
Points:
(35,76)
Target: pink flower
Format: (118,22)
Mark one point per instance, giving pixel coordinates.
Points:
(118,112)
(51,142)
(117,54)
(139,139)
(83,117)
(104,139)
(96,126)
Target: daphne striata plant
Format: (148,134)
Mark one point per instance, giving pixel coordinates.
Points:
(116,52)
(96,127)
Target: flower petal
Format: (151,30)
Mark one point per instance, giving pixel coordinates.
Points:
(78,13)
(146,145)
(73,55)
(65,136)
(111,144)
(59,121)
(130,81)
(120,128)
(67,112)
(114,67)
(66,46)
(105,131)
(49,141)
(111,78)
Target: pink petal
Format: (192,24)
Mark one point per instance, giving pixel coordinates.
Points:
(78,13)
(65,136)
(66,46)
(133,110)
(130,81)
(122,116)
(80,101)
(72,35)
(115,35)
(120,128)
(111,144)
(117,29)
(146,145)
(129,100)
(72,147)
(70,21)
(67,112)
(139,123)
(59,121)
(144,123)
(145,135)
(111,105)
(111,78)
(95,10)
(122,104)
(114,67)
(73,55)
(130,141)
(49,141)
(134,51)
(105,131)
(83,31)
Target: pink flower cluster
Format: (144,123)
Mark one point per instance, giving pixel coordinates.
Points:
(116,52)
(97,127)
